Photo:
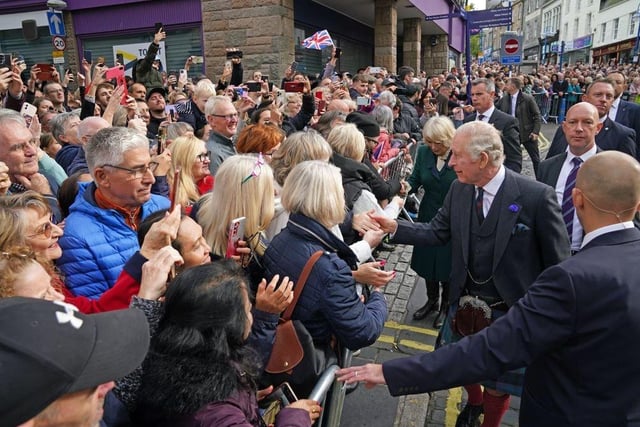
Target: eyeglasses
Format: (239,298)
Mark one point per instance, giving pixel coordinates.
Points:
(45,230)
(257,169)
(23,145)
(137,173)
(203,156)
(227,117)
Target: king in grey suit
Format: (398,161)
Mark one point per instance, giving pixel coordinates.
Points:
(496,258)
(482,94)
(577,328)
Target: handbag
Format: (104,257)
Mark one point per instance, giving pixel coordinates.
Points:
(472,315)
(294,357)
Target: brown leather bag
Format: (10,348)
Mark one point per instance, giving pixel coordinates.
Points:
(288,351)
(473,315)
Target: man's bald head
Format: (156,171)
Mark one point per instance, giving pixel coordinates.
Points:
(338,105)
(611,181)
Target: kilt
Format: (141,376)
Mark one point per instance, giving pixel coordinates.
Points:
(509,382)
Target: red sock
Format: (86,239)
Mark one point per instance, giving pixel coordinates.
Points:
(475,394)
(494,409)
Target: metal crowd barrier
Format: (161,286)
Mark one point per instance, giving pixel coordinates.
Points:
(552,107)
(397,167)
(333,402)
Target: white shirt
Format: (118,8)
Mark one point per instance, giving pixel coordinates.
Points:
(604,230)
(487,114)
(567,166)
(613,111)
(514,98)
(491,189)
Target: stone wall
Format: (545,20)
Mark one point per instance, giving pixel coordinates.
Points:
(435,59)
(262,29)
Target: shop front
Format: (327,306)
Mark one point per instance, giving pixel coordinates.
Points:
(616,53)
(578,50)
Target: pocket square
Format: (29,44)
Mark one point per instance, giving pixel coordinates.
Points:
(520,228)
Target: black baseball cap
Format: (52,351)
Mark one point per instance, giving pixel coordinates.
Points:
(156,90)
(49,349)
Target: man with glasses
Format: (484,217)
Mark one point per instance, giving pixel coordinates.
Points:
(19,151)
(54,92)
(100,231)
(222,117)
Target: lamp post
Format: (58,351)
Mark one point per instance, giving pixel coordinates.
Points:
(636,47)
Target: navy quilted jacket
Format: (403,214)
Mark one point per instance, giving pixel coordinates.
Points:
(329,304)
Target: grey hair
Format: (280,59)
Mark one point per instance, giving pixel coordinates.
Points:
(107,147)
(483,138)
(383,116)
(177,129)
(387,97)
(7,116)
(86,125)
(58,124)
(488,83)
(213,102)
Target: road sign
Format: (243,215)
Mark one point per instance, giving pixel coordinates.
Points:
(511,46)
(59,43)
(510,60)
(58,57)
(56,23)
(489,18)
(441,16)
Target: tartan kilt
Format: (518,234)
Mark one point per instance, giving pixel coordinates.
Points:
(509,382)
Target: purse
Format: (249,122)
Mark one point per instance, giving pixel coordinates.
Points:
(472,315)
(294,357)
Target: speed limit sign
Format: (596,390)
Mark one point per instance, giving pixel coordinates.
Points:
(59,43)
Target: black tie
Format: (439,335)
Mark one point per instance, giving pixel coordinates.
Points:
(481,117)
(479,205)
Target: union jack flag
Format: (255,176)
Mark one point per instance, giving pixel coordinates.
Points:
(318,40)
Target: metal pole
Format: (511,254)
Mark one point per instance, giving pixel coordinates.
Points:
(561,55)
(467,53)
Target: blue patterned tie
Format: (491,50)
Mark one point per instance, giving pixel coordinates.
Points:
(567,199)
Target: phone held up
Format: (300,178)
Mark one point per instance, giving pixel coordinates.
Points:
(28,111)
(236,232)
(294,87)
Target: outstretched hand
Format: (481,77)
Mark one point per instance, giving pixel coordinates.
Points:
(272,300)
(370,374)
(387,225)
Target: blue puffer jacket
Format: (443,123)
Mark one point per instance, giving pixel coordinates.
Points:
(329,304)
(97,243)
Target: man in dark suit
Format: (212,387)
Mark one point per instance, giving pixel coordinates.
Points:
(580,127)
(523,107)
(613,136)
(624,112)
(504,230)
(577,328)
(482,94)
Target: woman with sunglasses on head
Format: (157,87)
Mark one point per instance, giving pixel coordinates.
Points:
(25,221)
(190,155)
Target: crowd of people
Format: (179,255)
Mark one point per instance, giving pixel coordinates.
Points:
(125,195)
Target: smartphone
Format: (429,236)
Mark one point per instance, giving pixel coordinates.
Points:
(322,106)
(375,70)
(162,139)
(236,232)
(176,180)
(158,27)
(363,101)
(114,72)
(265,78)
(294,87)
(319,94)
(254,86)
(284,393)
(88,56)
(294,66)
(6,60)
(28,111)
(170,110)
(45,73)
(197,59)
(183,75)
(234,54)
(338,53)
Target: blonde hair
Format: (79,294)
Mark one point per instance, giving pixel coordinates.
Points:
(296,148)
(314,189)
(439,129)
(12,226)
(347,141)
(13,262)
(232,198)
(184,151)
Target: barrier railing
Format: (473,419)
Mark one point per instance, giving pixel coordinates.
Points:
(397,167)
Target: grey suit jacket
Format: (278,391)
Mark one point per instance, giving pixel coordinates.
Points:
(508,125)
(549,169)
(530,235)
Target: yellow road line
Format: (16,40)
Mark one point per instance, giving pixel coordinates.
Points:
(416,345)
(395,325)
(451,408)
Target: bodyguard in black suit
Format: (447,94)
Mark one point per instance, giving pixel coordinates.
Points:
(482,94)
(504,230)
(613,136)
(581,127)
(624,112)
(577,328)
(523,107)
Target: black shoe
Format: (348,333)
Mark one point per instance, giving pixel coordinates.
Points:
(469,416)
(439,320)
(423,311)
